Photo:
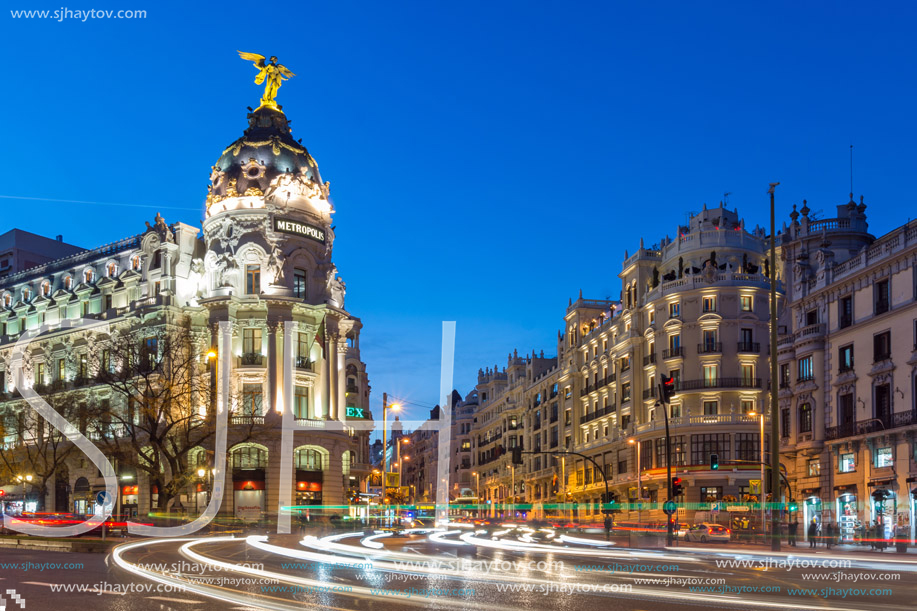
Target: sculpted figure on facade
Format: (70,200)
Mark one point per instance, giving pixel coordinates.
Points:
(275,266)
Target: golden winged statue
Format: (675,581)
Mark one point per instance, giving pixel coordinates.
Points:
(270,73)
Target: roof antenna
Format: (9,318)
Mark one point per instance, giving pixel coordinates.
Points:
(851,172)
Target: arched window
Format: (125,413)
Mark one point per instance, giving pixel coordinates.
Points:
(308,459)
(112,270)
(7,299)
(26,294)
(135,263)
(45,288)
(249,457)
(68,282)
(88,276)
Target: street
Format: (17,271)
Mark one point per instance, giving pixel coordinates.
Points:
(508,568)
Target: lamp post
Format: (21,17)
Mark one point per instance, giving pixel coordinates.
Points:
(763,496)
(385,407)
(477,497)
(639,481)
(775,447)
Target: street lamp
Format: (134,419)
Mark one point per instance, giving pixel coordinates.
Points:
(639,481)
(385,407)
(763,488)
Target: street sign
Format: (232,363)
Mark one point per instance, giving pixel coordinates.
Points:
(669,507)
(103,498)
(754,486)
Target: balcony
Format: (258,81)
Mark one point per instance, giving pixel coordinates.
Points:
(710,347)
(303,362)
(649,393)
(598,414)
(351,388)
(881,306)
(753,347)
(845,368)
(846,321)
(251,359)
(810,332)
(246,420)
(673,353)
(649,359)
(704,384)
(871,425)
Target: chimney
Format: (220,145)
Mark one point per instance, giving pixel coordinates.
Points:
(60,238)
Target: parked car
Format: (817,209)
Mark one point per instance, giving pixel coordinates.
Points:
(705,531)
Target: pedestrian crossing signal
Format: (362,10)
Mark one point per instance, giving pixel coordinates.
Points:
(714,462)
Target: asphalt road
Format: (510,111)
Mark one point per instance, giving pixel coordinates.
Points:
(462,570)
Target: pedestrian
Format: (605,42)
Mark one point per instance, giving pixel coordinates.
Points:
(812,532)
(829,535)
(792,527)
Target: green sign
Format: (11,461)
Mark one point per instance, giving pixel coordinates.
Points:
(355,412)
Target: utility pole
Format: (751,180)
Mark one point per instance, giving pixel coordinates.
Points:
(775,447)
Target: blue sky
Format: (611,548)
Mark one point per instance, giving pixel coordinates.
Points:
(487,160)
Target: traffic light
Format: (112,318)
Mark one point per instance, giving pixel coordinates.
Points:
(878,496)
(714,462)
(792,506)
(677,490)
(609,500)
(668,388)
(517,455)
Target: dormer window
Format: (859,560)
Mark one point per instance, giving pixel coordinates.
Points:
(68,282)
(7,300)
(87,276)
(45,288)
(135,263)
(26,294)
(112,270)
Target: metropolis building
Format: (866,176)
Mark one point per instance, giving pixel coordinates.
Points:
(261,264)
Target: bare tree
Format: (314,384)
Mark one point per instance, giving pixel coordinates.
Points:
(163,409)
(36,451)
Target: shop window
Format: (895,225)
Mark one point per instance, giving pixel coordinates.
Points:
(884,457)
(847,463)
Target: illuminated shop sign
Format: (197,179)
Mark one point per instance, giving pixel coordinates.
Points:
(297,228)
(355,412)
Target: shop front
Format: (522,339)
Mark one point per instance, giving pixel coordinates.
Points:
(82,497)
(129,500)
(885,509)
(847,512)
(248,494)
(811,510)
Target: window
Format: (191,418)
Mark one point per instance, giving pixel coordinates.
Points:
(646,455)
(45,288)
(149,353)
(674,310)
(845,311)
(39,373)
(112,270)
(252,279)
(748,405)
(625,421)
(251,340)
(251,400)
(883,405)
(847,463)
(299,283)
(884,457)
(805,418)
(652,317)
(61,369)
(674,343)
(785,375)
(785,422)
(8,299)
(711,376)
(568,416)
(746,341)
(622,461)
(711,494)
(811,317)
(710,408)
(813,467)
(702,446)
(709,303)
(300,402)
(26,294)
(845,358)
(880,295)
(82,367)
(87,276)
(881,346)
(106,361)
(806,371)
(748,375)
(135,263)
(710,344)
(745,301)
(625,363)
(625,392)
(748,447)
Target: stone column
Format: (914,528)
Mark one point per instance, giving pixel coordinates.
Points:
(341,378)
(326,380)
(333,478)
(273,357)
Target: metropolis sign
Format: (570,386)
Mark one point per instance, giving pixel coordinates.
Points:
(297,228)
